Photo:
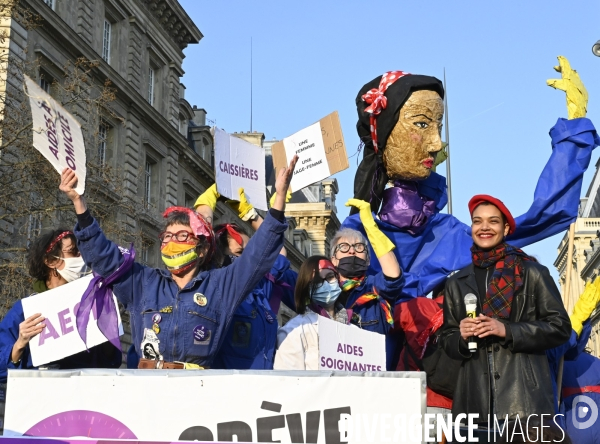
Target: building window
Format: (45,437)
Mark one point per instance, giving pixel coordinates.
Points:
(50,3)
(102,143)
(148,184)
(45,83)
(145,248)
(106,41)
(34,227)
(151,86)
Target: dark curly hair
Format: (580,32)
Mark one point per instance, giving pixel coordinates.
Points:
(209,256)
(37,255)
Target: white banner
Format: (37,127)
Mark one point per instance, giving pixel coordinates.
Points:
(60,337)
(239,164)
(56,133)
(346,347)
(312,163)
(215,405)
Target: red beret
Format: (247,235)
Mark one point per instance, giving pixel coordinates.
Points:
(481,198)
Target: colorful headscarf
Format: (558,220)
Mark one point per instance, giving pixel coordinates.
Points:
(231,231)
(378,101)
(200,227)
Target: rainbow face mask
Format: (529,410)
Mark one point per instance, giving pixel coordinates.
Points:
(179,257)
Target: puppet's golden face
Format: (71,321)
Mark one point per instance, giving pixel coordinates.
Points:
(415,140)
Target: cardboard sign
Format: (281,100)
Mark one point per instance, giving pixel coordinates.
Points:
(346,347)
(60,337)
(56,133)
(254,406)
(320,149)
(239,164)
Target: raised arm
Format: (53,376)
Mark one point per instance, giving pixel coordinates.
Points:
(263,248)
(382,245)
(98,252)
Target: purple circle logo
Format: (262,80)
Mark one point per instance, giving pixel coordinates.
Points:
(199,333)
(81,423)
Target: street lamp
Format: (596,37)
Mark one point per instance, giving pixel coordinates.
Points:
(596,49)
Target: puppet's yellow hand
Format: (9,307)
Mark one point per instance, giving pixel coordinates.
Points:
(577,95)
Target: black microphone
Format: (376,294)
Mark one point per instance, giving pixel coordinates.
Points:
(471,306)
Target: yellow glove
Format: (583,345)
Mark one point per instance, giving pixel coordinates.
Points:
(577,95)
(379,241)
(244,208)
(288,196)
(585,305)
(208,198)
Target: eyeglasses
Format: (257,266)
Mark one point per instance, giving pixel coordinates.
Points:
(180,236)
(345,247)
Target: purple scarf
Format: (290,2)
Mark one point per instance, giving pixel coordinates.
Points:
(405,208)
(99,297)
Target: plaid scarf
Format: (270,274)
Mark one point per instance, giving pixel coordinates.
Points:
(367,297)
(506,279)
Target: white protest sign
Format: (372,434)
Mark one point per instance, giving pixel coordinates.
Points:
(228,406)
(239,164)
(56,133)
(346,347)
(312,164)
(60,337)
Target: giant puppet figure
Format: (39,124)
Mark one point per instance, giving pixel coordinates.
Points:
(399,121)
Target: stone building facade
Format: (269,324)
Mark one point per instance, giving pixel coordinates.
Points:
(160,144)
(585,265)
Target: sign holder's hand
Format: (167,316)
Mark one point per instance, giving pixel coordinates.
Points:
(245,209)
(282,184)
(28,329)
(68,182)
(208,198)
(577,95)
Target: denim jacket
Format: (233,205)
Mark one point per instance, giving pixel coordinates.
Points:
(193,319)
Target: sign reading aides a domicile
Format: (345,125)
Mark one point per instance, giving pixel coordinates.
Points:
(320,148)
(348,348)
(56,133)
(60,338)
(240,164)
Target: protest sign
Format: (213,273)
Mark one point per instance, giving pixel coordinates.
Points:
(253,406)
(239,164)
(346,347)
(60,337)
(56,133)
(320,148)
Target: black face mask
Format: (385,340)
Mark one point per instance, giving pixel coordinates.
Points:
(352,267)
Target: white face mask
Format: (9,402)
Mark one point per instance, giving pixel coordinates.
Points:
(72,269)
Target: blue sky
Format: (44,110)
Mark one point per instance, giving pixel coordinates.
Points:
(312,57)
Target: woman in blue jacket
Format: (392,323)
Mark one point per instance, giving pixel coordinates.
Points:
(182,311)
(53,260)
(251,339)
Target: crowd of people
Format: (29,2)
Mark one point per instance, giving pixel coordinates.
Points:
(215,303)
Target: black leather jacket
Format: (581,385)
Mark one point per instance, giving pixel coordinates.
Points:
(522,378)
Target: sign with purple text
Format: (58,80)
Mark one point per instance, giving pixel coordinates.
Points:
(239,164)
(60,337)
(346,347)
(256,406)
(56,133)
